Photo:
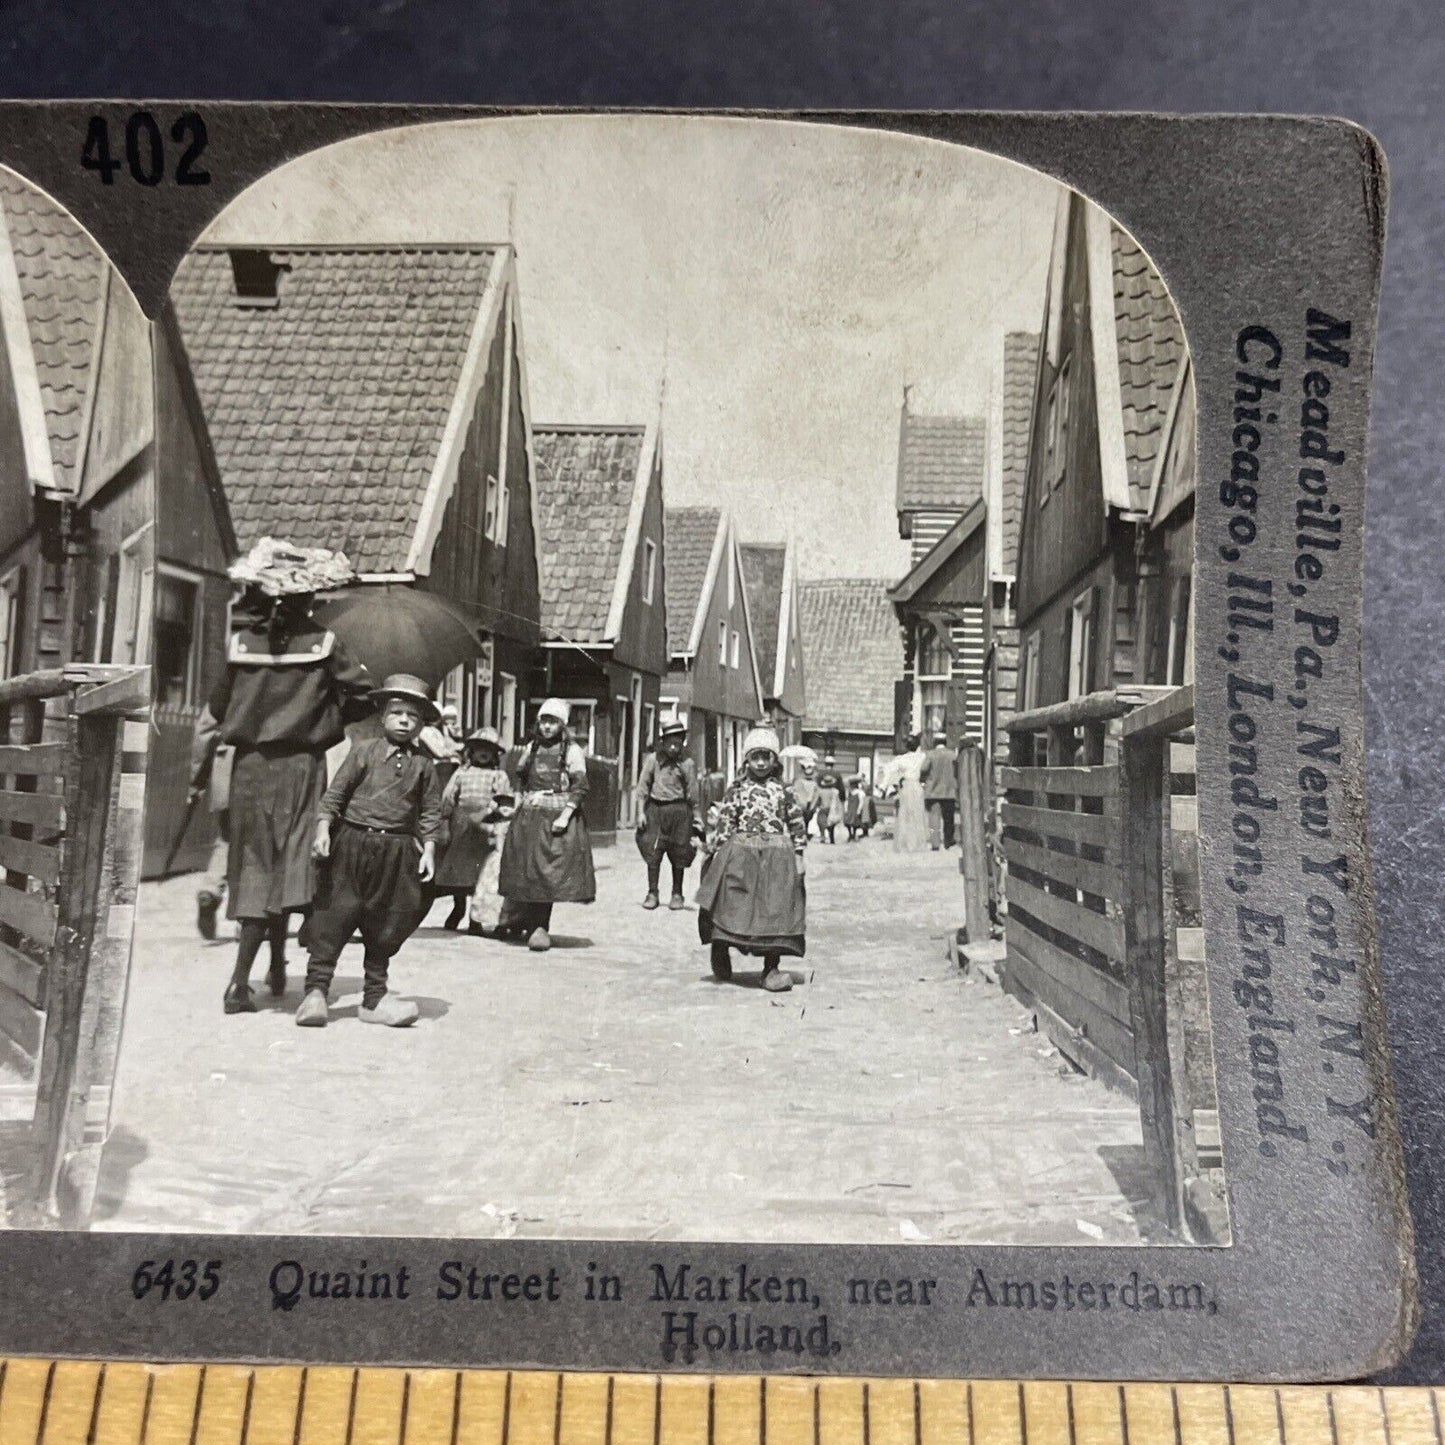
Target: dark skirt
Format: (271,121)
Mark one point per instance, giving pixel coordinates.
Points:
(466,851)
(274,801)
(752,897)
(369,884)
(540,866)
(668,833)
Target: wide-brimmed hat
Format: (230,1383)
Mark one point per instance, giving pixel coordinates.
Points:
(413,689)
(761,740)
(829,758)
(672,727)
(283,569)
(490,736)
(555,707)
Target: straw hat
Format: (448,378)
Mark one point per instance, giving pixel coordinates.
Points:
(672,728)
(485,735)
(412,689)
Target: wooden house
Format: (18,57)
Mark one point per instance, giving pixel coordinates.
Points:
(854,648)
(1105,547)
(77,450)
(770,577)
(942,465)
(373,399)
(604,599)
(712,678)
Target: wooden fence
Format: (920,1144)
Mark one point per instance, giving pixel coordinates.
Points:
(1103,933)
(72,778)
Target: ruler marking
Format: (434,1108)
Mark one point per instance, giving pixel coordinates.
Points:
(245,1434)
(1069,1396)
(1435,1416)
(657,1412)
(817,1414)
(607,1422)
(1123,1416)
(1023,1417)
(196,1408)
(1279,1415)
(867,1418)
(145,1413)
(1330,1411)
(456,1408)
(405,1404)
(557,1411)
(507,1409)
(917,1413)
(1229,1415)
(1384,1415)
(1178,1424)
(711,1410)
(351,1405)
(970,1412)
(94,1406)
(300,1405)
(45,1405)
(763,1410)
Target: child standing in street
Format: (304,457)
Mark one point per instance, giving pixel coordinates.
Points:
(669,812)
(376,840)
(752,896)
(472,807)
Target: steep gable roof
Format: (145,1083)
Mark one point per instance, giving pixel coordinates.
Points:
(1020,370)
(330,407)
(63,278)
(587,478)
(763,566)
(941,462)
(690,536)
(855,654)
(1149,340)
(937,556)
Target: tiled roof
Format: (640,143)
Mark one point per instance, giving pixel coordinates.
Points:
(585,480)
(327,408)
(62,283)
(1020,362)
(763,564)
(1151,357)
(687,540)
(854,651)
(941,462)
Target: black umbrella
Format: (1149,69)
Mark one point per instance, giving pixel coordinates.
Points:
(401,629)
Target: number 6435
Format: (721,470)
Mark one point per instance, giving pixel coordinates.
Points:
(176,1278)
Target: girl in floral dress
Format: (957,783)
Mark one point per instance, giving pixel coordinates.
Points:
(475,805)
(752,895)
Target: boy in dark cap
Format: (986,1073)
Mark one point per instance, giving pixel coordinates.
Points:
(376,835)
(669,811)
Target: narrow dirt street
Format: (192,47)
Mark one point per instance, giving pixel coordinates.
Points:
(611,1088)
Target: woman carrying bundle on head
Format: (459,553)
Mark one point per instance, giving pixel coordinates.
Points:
(547,857)
(752,896)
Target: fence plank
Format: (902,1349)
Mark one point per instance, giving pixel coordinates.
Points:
(38,760)
(1098,930)
(1079,1014)
(128,692)
(973,855)
(31,913)
(38,860)
(1096,828)
(23,975)
(20,1021)
(1066,868)
(1081,978)
(1164,715)
(41,810)
(1096,782)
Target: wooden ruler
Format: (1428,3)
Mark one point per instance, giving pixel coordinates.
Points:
(44,1402)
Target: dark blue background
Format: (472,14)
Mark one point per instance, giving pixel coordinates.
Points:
(1380,64)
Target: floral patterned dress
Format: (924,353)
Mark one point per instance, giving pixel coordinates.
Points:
(752,895)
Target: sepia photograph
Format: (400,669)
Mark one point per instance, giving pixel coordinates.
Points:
(658,654)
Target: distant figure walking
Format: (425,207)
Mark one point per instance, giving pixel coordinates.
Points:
(860,813)
(940,791)
(904,776)
(832,794)
(669,812)
(806,792)
(547,857)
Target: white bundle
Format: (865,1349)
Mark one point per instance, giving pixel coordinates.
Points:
(282,569)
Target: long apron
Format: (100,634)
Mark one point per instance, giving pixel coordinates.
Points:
(540,866)
(274,800)
(752,897)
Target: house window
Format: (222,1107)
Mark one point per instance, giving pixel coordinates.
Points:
(649,569)
(492,508)
(935,668)
(128,638)
(12,621)
(505,700)
(177,640)
(1030,695)
(732,585)
(1180,667)
(649,725)
(1059,410)
(736,657)
(1080,624)
(722,644)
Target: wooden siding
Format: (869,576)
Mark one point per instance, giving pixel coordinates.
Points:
(926,530)
(642,639)
(1064,537)
(725,690)
(17,504)
(794,697)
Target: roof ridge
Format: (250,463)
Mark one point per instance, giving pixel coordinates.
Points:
(350,247)
(621,428)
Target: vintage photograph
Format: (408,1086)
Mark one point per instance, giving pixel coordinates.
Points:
(670,650)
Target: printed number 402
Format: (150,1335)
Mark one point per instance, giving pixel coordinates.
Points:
(176,1278)
(145,150)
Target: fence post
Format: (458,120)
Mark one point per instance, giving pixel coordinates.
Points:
(972,842)
(59,1126)
(1143,808)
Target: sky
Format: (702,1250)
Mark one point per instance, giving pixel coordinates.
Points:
(767,288)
